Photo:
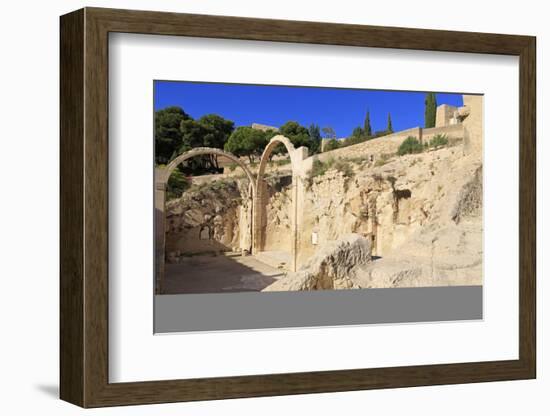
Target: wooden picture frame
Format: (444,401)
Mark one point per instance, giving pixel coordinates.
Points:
(84,207)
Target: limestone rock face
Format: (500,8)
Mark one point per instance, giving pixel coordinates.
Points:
(209,218)
(330,268)
(433,257)
(445,247)
(421,213)
(278,213)
(469,201)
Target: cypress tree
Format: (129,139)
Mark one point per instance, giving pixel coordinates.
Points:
(390,127)
(315,138)
(367,129)
(430,110)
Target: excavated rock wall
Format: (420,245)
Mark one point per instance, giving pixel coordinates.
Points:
(209,218)
(278,232)
(421,213)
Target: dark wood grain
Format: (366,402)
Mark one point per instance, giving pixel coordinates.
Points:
(71,297)
(84,207)
(527,207)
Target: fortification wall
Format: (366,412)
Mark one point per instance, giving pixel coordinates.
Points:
(385,144)
(453,132)
(445,115)
(473,124)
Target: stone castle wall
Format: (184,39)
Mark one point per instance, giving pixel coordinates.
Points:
(445,115)
(453,132)
(385,144)
(473,124)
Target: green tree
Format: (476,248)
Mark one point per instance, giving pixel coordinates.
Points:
(430,110)
(297,134)
(357,136)
(218,130)
(367,129)
(357,132)
(168,136)
(332,144)
(208,131)
(329,132)
(177,184)
(246,141)
(389,129)
(315,138)
(192,135)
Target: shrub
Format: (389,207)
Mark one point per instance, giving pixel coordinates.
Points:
(409,146)
(331,145)
(344,167)
(381,133)
(350,141)
(358,160)
(320,168)
(439,140)
(177,184)
(382,160)
(282,162)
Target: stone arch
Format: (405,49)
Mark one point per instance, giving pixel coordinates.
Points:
(199,151)
(261,198)
(273,143)
(161,179)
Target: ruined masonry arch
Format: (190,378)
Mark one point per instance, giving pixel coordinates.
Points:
(161,179)
(261,197)
(200,151)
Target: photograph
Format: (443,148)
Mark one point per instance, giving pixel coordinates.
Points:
(275,188)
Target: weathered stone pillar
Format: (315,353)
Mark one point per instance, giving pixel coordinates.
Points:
(160,235)
(299,170)
(294,225)
(246,225)
(258,216)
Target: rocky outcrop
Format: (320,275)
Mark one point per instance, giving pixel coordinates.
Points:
(447,250)
(469,200)
(421,212)
(434,256)
(330,268)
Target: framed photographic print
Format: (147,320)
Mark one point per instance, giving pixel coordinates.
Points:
(256,207)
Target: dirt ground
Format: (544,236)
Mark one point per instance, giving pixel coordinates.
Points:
(219,274)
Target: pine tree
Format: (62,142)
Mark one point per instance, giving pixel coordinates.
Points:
(367,129)
(389,129)
(315,138)
(430,110)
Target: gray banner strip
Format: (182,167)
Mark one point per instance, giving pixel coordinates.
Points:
(234,311)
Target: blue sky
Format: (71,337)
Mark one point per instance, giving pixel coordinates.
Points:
(342,109)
